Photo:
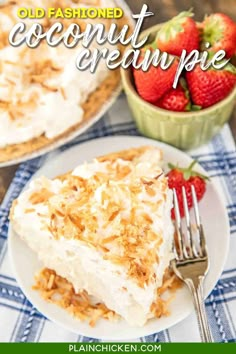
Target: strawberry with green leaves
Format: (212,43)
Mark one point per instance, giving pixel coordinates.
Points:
(211,86)
(155,82)
(220,31)
(186,177)
(179,33)
(176,99)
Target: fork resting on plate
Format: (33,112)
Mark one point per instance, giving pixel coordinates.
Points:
(191,261)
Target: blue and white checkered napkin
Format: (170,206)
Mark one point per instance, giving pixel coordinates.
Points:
(21,322)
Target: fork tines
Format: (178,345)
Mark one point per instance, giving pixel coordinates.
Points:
(187,244)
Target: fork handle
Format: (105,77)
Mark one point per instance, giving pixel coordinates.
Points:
(196,289)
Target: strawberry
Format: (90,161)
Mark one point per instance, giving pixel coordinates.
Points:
(155,82)
(175,100)
(179,33)
(186,177)
(220,31)
(211,86)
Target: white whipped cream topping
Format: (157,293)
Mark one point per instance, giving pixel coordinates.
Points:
(54,112)
(85,266)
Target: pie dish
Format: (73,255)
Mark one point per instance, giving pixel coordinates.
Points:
(45,100)
(106,228)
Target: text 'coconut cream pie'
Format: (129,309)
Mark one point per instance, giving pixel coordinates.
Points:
(103,230)
(43,96)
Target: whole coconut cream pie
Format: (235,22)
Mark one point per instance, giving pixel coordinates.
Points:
(43,96)
(104,235)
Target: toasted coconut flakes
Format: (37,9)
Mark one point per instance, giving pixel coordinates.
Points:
(51,281)
(4,103)
(150,191)
(170,282)
(49,88)
(36,71)
(109,239)
(17,110)
(147,218)
(122,172)
(160,307)
(147,181)
(40,196)
(113,215)
(102,249)
(29,210)
(127,155)
(11,62)
(126,234)
(41,71)
(10,81)
(3,39)
(62,91)
(59,291)
(11,114)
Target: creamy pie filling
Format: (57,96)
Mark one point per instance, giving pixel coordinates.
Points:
(41,90)
(106,228)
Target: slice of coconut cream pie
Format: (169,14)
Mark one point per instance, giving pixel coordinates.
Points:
(105,227)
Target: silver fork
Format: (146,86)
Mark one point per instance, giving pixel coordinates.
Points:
(191,262)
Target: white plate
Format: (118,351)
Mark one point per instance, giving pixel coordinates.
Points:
(26,264)
(84,125)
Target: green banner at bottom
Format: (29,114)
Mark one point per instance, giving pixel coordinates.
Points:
(139,348)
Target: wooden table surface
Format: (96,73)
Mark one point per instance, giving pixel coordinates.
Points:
(163,10)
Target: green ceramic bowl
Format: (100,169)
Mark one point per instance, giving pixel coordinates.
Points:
(184,130)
